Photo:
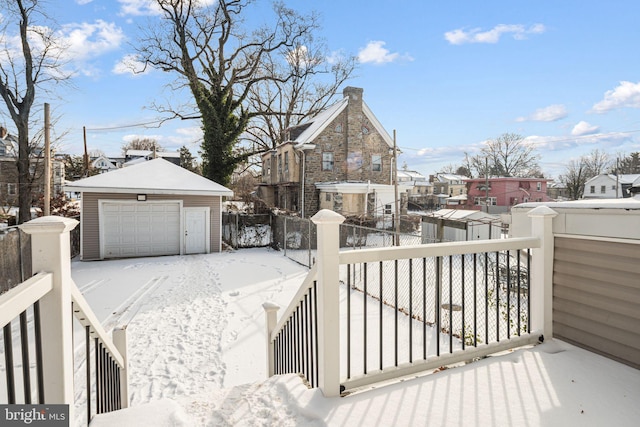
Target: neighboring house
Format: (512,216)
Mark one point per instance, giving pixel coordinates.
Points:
(609,186)
(447,183)
(153,208)
(557,191)
(343,144)
(103,164)
(9,171)
(133,155)
(504,192)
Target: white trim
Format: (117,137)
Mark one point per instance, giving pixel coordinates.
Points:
(178,192)
(102,202)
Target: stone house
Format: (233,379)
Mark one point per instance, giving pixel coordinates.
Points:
(336,159)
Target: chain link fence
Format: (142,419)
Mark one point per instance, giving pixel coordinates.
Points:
(296,237)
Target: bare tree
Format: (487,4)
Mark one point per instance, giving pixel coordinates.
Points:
(29,65)
(578,172)
(307,81)
(147,144)
(574,178)
(213,56)
(597,162)
(507,155)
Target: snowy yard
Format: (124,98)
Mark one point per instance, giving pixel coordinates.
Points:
(197,357)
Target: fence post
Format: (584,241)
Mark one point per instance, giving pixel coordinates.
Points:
(541,286)
(328,261)
(271,319)
(50,252)
(119,337)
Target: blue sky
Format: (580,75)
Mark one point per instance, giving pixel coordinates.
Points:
(445,75)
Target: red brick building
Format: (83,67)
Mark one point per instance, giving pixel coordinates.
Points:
(502,193)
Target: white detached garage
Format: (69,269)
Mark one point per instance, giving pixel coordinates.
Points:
(149,209)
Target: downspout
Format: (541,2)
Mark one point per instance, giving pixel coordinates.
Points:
(302,148)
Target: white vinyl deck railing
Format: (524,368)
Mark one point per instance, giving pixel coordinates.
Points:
(366,316)
(43,306)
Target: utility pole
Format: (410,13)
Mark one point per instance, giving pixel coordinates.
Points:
(395,189)
(486,184)
(85,158)
(47,163)
(617,176)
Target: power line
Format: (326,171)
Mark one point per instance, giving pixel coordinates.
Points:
(156,122)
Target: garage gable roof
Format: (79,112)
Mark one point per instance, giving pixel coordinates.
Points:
(157,176)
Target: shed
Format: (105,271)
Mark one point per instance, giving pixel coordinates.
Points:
(149,209)
(459,225)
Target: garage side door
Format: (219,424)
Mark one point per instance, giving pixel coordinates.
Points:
(140,229)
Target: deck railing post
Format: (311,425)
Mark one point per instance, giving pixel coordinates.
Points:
(328,260)
(271,319)
(541,286)
(119,337)
(50,251)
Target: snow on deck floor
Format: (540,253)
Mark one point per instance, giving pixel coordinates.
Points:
(196,340)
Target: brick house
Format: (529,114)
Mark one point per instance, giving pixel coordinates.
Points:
(504,192)
(342,156)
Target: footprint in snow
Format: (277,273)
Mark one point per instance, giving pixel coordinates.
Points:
(234,293)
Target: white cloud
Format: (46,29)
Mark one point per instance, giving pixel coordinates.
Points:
(376,53)
(139,7)
(551,113)
(627,94)
(476,35)
(130,64)
(584,128)
(83,2)
(85,40)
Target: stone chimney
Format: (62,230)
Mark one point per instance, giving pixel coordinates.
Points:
(354,141)
(355,97)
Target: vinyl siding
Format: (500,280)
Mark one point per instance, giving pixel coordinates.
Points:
(596,297)
(91,223)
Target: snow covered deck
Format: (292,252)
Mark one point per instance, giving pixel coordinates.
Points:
(196,337)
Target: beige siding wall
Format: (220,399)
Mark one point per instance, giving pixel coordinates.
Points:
(91,223)
(596,297)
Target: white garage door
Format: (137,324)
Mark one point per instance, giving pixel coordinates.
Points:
(140,229)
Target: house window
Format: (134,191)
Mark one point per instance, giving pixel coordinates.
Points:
(279,164)
(603,189)
(327,161)
(592,190)
(613,188)
(11,189)
(481,201)
(327,197)
(365,130)
(376,163)
(387,209)
(339,128)
(539,186)
(286,162)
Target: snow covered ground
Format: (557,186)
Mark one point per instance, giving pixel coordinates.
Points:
(197,357)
